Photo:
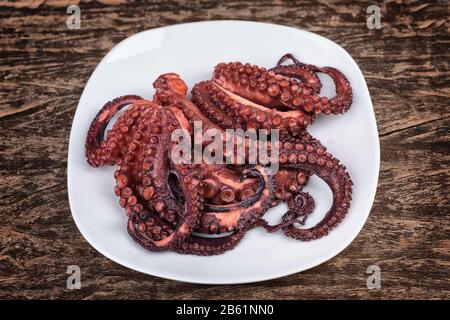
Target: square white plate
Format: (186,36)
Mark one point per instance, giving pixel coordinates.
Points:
(192,50)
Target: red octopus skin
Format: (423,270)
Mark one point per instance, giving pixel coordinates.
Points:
(167,202)
(304,153)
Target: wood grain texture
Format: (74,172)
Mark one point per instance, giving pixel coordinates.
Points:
(44,67)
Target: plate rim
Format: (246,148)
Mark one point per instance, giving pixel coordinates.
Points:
(190,279)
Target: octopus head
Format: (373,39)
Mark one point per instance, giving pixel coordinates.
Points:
(171,81)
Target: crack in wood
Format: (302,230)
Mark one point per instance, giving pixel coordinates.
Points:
(389,133)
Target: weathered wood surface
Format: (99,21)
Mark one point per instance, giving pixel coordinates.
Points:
(44,67)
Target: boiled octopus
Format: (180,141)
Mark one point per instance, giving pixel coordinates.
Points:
(205,208)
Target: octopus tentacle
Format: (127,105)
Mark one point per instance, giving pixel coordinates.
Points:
(300,71)
(341,101)
(246,202)
(217,113)
(250,114)
(157,190)
(287,183)
(149,230)
(219,222)
(329,169)
(210,246)
(133,183)
(144,226)
(223,186)
(299,207)
(99,152)
(189,182)
(278,91)
(130,155)
(190,178)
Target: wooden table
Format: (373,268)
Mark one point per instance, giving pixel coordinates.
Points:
(44,67)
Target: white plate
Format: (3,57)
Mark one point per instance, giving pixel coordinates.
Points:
(192,50)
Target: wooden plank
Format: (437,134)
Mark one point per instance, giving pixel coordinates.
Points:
(44,67)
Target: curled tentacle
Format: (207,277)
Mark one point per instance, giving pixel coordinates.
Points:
(299,207)
(328,168)
(299,71)
(99,152)
(338,104)
(187,221)
(149,230)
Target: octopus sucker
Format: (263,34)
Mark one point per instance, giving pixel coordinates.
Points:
(205,208)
